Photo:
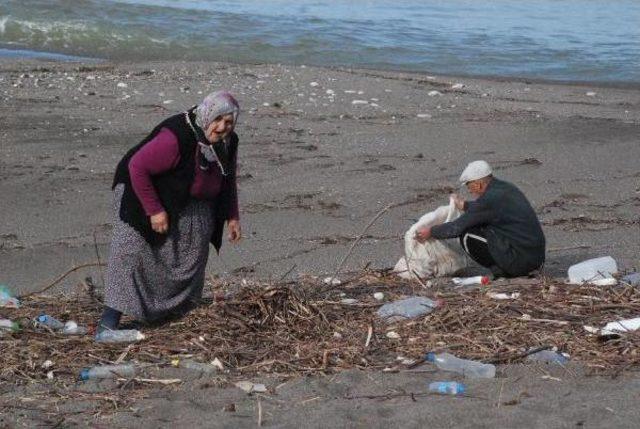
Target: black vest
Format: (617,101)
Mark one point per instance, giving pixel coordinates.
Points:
(173,187)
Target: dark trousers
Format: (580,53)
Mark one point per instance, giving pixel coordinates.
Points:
(474,242)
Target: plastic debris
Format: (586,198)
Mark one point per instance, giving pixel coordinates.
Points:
(408,308)
(616,328)
(632,279)
(457,86)
(120,336)
(108,371)
(72,328)
(349,301)
(49,322)
(469,281)
(548,356)
(447,388)
(355,102)
(7,299)
(590,94)
(217,363)
(503,296)
(393,335)
(250,387)
(9,325)
(468,368)
(331,281)
(378,296)
(592,270)
(434,93)
(193,365)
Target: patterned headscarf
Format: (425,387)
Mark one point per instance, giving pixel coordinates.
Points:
(216,104)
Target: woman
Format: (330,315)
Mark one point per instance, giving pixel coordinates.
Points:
(173,193)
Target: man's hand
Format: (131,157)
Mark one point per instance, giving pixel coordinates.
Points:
(160,222)
(423,234)
(235,231)
(458,201)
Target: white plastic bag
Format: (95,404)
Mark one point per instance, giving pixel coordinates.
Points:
(433,258)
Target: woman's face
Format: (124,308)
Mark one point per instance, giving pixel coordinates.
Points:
(220,128)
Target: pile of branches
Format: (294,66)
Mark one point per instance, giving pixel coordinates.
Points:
(305,327)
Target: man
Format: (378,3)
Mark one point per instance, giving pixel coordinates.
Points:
(499,230)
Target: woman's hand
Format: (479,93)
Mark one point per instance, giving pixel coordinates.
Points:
(160,222)
(235,231)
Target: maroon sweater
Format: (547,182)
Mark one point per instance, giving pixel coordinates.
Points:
(160,155)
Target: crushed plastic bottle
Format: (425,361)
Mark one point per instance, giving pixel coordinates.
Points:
(72,328)
(7,299)
(621,326)
(120,336)
(49,322)
(447,388)
(593,270)
(468,368)
(9,325)
(108,371)
(469,281)
(205,368)
(408,308)
(548,356)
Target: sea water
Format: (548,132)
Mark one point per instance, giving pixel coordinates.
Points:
(565,40)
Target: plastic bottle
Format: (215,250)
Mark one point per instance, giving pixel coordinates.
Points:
(547,356)
(592,269)
(50,322)
(9,325)
(108,371)
(447,388)
(621,326)
(408,308)
(72,328)
(469,281)
(633,279)
(119,336)
(194,365)
(468,368)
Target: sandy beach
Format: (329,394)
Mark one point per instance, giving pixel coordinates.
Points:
(322,151)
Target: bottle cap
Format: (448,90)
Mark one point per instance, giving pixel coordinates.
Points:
(84,374)
(430,357)
(484,280)
(42,318)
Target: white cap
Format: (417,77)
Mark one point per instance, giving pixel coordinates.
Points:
(475,170)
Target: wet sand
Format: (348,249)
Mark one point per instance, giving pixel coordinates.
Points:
(322,152)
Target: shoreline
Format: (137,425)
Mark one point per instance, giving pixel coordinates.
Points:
(31,55)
